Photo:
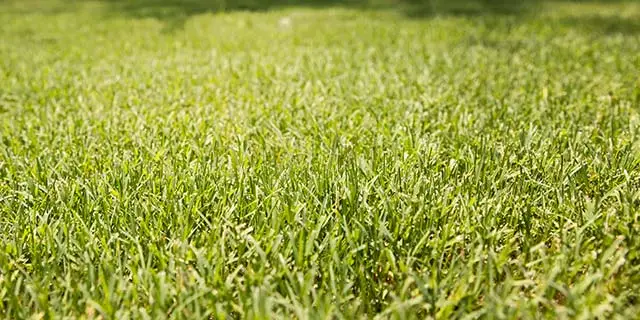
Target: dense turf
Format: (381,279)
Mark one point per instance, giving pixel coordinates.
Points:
(319,161)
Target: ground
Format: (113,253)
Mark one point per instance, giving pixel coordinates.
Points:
(319,160)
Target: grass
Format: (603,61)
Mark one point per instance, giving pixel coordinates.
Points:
(319,162)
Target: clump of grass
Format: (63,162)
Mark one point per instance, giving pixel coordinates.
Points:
(353,163)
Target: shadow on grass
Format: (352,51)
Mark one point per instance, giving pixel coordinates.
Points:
(604,25)
(430,8)
(175,12)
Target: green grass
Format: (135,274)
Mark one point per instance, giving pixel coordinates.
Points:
(319,162)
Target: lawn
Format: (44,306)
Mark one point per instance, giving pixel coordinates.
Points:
(329,160)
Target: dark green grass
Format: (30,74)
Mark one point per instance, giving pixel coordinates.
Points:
(319,162)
